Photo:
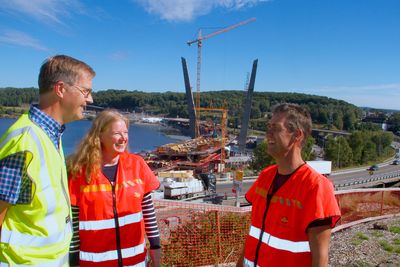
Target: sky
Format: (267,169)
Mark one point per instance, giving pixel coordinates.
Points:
(344,49)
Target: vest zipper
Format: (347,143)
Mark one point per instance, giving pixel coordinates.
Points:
(117,232)
(69,217)
(270,194)
(269,197)
(64,190)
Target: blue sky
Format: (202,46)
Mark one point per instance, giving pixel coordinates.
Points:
(345,49)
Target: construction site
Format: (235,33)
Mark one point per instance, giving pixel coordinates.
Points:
(195,232)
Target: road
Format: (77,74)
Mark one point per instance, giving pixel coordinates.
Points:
(341,177)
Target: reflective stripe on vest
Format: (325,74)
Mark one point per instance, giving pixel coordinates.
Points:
(110,223)
(278,243)
(20,239)
(141,264)
(51,263)
(112,254)
(248,263)
(42,241)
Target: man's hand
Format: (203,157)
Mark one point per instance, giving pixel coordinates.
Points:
(3,210)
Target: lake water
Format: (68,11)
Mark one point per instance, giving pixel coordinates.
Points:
(142,137)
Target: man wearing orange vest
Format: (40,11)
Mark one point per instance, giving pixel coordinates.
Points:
(293,206)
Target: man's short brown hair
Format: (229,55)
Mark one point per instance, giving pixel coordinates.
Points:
(61,68)
(297,118)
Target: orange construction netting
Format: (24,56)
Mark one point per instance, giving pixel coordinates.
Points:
(195,234)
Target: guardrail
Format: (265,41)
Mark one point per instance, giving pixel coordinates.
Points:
(365,180)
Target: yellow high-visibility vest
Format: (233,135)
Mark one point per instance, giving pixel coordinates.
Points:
(37,233)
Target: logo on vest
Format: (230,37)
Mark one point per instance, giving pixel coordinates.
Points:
(284,220)
(286,201)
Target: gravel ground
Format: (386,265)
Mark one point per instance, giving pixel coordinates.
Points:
(375,243)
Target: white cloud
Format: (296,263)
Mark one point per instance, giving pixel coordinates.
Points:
(187,10)
(22,39)
(119,55)
(46,11)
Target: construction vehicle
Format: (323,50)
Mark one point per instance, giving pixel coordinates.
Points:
(184,185)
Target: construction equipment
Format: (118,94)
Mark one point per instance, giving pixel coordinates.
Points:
(224,119)
(199,42)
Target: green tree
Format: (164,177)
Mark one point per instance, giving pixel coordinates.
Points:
(261,159)
(307,152)
(369,152)
(356,142)
(349,120)
(338,120)
(394,121)
(339,152)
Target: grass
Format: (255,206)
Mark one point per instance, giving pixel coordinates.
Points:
(395,229)
(362,236)
(358,238)
(356,241)
(386,246)
(377,234)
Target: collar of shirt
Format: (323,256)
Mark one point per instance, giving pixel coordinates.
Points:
(52,128)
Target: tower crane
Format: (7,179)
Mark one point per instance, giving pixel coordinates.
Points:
(199,42)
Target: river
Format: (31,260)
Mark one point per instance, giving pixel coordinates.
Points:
(142,137)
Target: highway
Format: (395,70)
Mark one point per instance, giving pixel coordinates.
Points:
(338,178)
(360,174)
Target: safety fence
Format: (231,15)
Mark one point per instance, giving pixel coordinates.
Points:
(361,205)
(200,234)
(196,234)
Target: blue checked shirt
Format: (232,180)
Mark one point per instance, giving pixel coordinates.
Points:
(15,185)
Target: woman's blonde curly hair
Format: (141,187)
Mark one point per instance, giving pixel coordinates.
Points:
(88,155)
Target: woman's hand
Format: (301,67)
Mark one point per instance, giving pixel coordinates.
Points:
(155,255)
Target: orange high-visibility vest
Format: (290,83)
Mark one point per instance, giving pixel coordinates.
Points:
(279,223)
(111,223)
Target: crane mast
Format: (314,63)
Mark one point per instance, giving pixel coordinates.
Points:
(199,42)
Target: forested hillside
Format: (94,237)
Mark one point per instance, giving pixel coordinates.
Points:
(326,112)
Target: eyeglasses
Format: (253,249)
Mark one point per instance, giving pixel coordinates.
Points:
(85,91)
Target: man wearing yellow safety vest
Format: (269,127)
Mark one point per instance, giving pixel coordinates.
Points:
(293,206)
(35,211)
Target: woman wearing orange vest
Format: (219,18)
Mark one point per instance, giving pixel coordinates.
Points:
(110,193)
(293,206)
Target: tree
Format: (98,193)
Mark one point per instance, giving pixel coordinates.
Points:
(369,152)
(339,152)
(307,152)
(261,159)
(356,143)
(394,121)
(349,120)
(338,120)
